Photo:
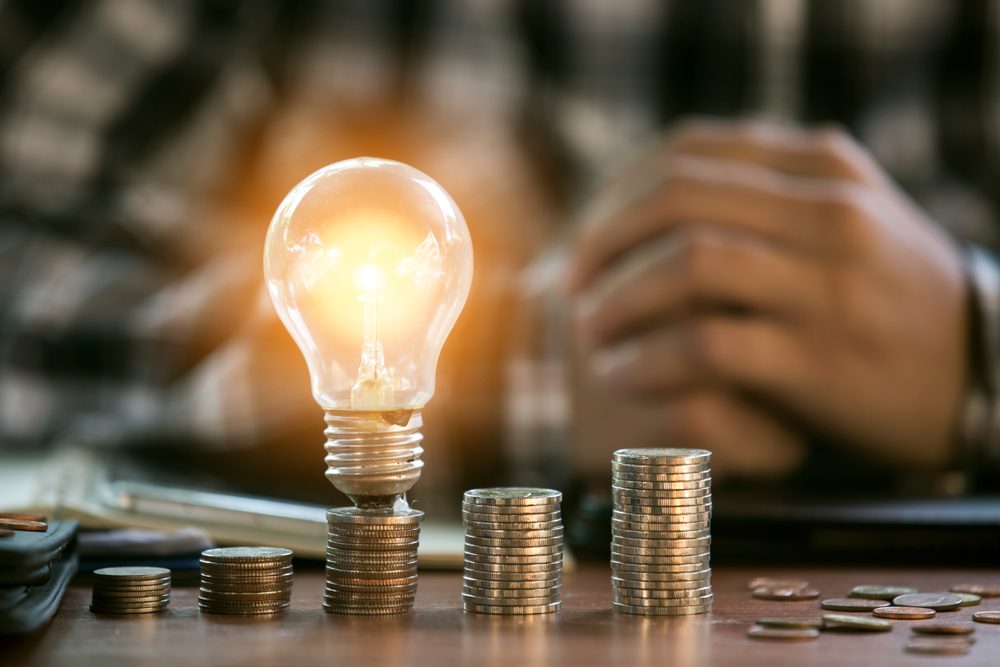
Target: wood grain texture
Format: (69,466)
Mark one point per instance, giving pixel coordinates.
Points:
(438,632)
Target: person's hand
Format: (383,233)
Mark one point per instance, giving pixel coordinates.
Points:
(775,280)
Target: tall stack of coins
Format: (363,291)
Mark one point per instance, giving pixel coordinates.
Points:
(130,590)
(371,560)
(661,541)
(245,580)
(513,551)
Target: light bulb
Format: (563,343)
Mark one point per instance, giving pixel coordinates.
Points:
(368,263)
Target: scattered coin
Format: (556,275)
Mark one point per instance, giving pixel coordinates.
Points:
(782,633)
(934,646)
(986,616)
(856,623)
(887,593)
(783,593)
(790,623)
(768,582)
(935,601)
(969,599)
(24,524)
(851,604)
(982,590)
(943,628)
(904,613)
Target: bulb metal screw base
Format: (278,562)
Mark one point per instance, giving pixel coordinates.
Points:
(373,456)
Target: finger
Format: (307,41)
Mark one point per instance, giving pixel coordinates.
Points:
(752,354)
(804,214)
(699,265)
(744,438)
(826,153)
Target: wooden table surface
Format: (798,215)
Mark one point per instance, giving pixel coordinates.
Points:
(438,632)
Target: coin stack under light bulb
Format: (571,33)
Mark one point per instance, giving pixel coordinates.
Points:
(661,538)
(245,581)
(371,560)
(513,551)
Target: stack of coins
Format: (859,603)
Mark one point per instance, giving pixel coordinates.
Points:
(245,581)
(130,590)
(513,551)
(660,543)
(371,560)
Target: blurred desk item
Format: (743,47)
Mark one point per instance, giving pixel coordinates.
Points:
(438,632)
(75,484)
(35,568)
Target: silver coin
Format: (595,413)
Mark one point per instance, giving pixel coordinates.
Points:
(541,527)
(283,588)
(621,476)
(662,456)
(514,534)
(661,493)
(671,585)
(372,583)
(373,555)
(551,566)
(351,611)
(371,575)
(512,551)
(628,468)
(499,609)
(633,515)
(116,574)
(656,562)
(516,576)
(246,554)
(632,528)
(209,580)
(472,588)
(689,514)
(244,611)
(372,541)
(661,594)
(250,569)
(133,593)
(510,602)
(660,535)
(471,581)
(662,611)
(646,543)
(637,485)
(504,519)
(104,601)
(512,496)
(548,559)
(651,578)
(505,510)
(661,602)
(515,543)
(374,517)
(631,553)
(124,611)
(622,500)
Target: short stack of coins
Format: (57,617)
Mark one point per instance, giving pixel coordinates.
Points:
(130,590)
(661,539)
(513,551)
(245,581)
(371,560)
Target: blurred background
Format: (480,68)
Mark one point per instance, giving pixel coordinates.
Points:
(145,144)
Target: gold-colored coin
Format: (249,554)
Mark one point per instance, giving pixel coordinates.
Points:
(791,623)
(856,623)
(904,613)
(784,634)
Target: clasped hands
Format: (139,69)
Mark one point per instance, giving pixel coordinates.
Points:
(760,285)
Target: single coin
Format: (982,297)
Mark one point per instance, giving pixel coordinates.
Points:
(105,601)
(373,517)
(512,496)
(244,588)
(487,584)
(660,543)
(511,602)
(349,611)
(934,646)
(648,485)
(628,468)
(663,594)
(659,535)
(664,494)
(987,616)
(660,561)
(619,527)
(850,604)
(661,602)
(856,623)
(969,599)
(769,582)
(132,574)
(386,538)
(507,533)
(514,560)
(503,519)
(944,628)
(690,514)
(246,611)
(510,510)
(246,555)
(513,542)
(123,612)
(512,551)
(782,633)
(790,623)
(785,593)
(265,567)
(700,504)
(473,589)
(659,519)
(119,589)
(633,569)
(661,611)
(512,568)
(513,528)
(982,590)
(25,525)
(371,583)
(904,613)
(543,575)
(131,595)
(935,601)
(223,580)
(372,575)
(660,585)
(496,609)
(888,593)
(701,550)
(244,596)
(662,456)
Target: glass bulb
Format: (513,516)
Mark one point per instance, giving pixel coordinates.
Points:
(369,263)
